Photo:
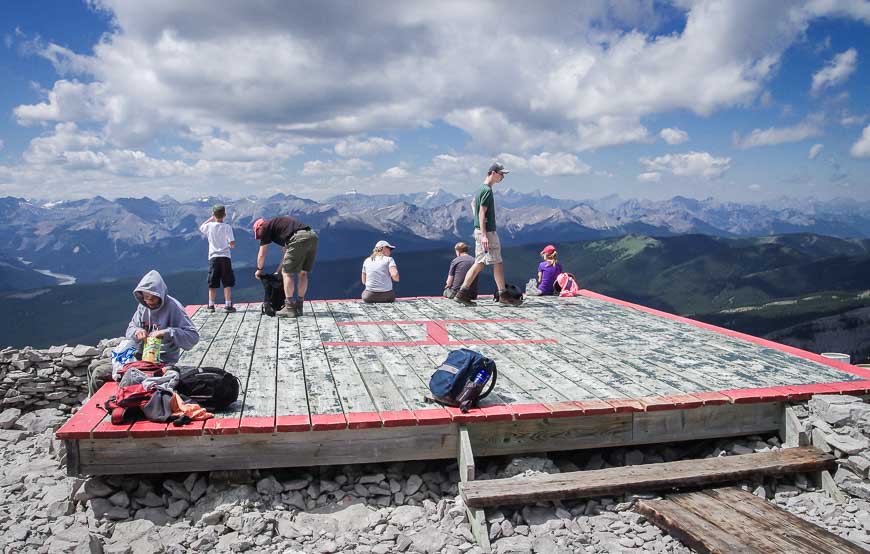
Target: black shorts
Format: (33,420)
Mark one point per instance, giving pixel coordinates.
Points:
(220,270)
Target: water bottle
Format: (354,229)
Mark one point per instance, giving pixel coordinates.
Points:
(471,392)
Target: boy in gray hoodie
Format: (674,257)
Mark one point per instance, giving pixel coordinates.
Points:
(161,312)
(162,315)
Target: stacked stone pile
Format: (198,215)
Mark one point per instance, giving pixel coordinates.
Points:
(841,424)
(49,379)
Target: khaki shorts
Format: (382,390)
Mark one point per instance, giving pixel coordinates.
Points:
(493,256)
(300,252)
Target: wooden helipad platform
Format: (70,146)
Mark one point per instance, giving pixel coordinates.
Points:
(346,384)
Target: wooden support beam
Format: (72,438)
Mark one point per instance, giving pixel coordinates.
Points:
(466,456)
(72,457)
(791,431)
(663,476)
(730,521)
(476,516)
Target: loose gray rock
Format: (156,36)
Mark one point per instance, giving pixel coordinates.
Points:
(405,516)
(8,417)
(413,484)
(429,541)
(269,486)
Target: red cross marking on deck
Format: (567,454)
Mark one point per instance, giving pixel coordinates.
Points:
(436,333)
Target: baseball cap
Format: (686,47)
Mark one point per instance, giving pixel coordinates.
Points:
(497,168)
(549,249)
(258,228)
(218,209)
(382,243)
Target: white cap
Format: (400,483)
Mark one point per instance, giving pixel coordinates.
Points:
(382,243)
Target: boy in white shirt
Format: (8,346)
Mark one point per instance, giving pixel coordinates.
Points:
(220,268)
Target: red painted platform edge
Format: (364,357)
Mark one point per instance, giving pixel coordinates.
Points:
(562,409)
(473,415)
(81,423)
(711,398)
(398,418)
(192,429)
(325,422)
(432,416)
(147,429)
(626,405)
(221,426)
(592,407)
(498,412)
(191,309)
(536,411)
(257,424)
(108,430)
(847,368)
(363,420)
(672,402)
(292,423)
(845,387)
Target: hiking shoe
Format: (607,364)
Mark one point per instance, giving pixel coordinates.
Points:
(462,298)
(287,311)
(211,308)
(299,307)
(229,309)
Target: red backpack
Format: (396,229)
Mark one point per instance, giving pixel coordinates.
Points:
(125,406)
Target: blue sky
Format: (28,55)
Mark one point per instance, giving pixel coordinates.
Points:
(737,100)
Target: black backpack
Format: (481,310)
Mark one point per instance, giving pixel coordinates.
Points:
(512,295)
(273,298)
(210,387)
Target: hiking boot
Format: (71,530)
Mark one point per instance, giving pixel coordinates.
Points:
(462,298)
(299,307)
(287,311)
(211,308)
(229,309)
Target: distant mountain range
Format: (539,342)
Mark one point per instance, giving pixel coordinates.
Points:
(98,239)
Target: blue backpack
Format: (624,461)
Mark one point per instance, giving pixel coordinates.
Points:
(460,380)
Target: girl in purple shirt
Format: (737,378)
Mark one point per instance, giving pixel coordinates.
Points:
(548,270)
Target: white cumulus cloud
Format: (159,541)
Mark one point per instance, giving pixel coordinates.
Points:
(861,148)
(690,164)
(836,71)
(779,135)
(650,177)
(548,164)
(815,150)
(395,172)
(355,148)
(672,135)
(335,167)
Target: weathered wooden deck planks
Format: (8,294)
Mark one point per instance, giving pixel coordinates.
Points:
(350,366)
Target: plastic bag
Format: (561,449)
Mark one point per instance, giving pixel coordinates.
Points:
(122,354)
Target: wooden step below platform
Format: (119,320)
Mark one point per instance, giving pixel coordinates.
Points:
(732,521)
(640,478)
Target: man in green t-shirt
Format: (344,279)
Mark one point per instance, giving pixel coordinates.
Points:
(487,248)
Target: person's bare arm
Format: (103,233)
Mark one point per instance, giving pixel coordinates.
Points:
(394,273)
(363,278)
(261,259)
(449,282)
(481,217)
(233,245)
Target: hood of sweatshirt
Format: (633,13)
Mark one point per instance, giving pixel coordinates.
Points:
(152,283)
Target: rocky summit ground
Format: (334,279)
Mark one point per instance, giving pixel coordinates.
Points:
(403,507)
